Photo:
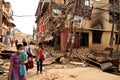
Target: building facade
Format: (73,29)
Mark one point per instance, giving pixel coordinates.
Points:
(89,22)
(47,20)
(5,21)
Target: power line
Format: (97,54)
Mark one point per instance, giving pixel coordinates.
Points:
(24,16)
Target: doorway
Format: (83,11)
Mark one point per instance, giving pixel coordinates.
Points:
(84,39)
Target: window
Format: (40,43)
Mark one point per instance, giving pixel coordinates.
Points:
(96,37)
(117,40)
(111,1)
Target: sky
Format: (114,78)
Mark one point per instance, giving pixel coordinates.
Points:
(24,7)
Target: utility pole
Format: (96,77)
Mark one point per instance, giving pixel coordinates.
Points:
(72,33)
(113,25)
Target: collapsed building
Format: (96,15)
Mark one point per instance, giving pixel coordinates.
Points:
(91,22)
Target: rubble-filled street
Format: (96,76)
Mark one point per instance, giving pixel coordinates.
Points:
(66,71)
(62,69)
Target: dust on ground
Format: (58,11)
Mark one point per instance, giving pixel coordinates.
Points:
(70,72)
(58,71)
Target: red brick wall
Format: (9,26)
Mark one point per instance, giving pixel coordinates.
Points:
(64,35)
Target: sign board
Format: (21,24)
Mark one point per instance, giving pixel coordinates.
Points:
(77,21)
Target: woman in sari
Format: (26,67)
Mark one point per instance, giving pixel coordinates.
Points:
(17,69)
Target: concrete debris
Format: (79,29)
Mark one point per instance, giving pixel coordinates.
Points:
(79,63)
(6,50)
(49,61)
(4,66)
(1,62)
(4,47)
(63,60)
(106,66)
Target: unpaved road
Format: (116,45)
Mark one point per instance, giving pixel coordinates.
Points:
(68,72)
(65,72)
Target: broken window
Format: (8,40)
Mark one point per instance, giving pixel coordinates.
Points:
(96,37)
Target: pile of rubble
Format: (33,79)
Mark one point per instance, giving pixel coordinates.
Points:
(100,59)
(4,63)
(4,66)
(4,47)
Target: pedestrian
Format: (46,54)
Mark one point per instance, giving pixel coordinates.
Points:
(16,42)
(17,69)
(28,43)
(28,50)
(24,41)
(11,42)
(40,58)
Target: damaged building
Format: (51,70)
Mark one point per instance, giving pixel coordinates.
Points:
(48,21)
(99,28)
(6,23)
(91,22)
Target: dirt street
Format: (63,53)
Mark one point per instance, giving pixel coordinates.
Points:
(64,72)
(57,71)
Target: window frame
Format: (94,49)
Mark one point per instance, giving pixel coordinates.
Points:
(95,37)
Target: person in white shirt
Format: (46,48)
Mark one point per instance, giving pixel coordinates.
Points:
(29,53)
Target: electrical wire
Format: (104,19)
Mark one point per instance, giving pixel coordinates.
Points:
(92,4)
(24,16)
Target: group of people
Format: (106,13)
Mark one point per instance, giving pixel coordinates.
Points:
(19,61)
(12,42)
(16,42)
